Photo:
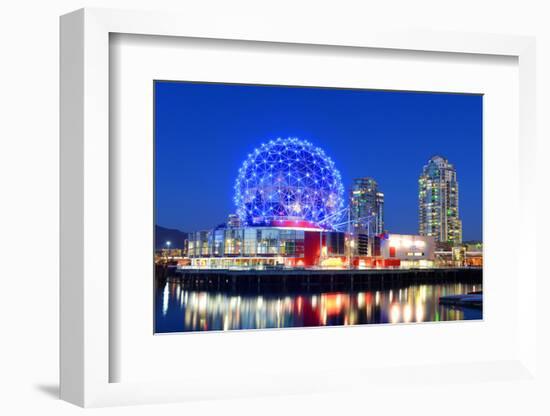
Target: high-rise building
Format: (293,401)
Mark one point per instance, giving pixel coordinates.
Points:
(438,202)
(367,207)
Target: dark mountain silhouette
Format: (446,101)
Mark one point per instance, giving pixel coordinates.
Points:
(176,237)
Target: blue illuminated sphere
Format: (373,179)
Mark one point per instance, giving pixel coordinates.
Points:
(289,179)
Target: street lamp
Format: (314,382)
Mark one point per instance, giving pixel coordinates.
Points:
(168,244)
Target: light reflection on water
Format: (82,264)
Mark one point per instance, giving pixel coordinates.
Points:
(180,310)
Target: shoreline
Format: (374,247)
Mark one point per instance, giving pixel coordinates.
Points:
(308,280)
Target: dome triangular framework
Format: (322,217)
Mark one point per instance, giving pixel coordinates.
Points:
(288,179)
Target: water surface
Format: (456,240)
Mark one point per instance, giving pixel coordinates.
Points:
(182,310)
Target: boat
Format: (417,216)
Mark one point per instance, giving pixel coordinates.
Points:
(469,300)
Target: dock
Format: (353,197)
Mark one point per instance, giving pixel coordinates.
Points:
(306,280)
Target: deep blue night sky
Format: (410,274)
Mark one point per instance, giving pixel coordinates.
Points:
(205,131)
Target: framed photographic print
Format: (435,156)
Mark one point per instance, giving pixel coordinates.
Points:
(282,212)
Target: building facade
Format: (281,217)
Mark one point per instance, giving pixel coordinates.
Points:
(298,246)
(367,207)
(408,250)
(438,202)
(266,246)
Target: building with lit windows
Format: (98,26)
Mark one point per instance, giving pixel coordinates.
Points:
(367,206)
(408,250)
(438,202)
(284,246)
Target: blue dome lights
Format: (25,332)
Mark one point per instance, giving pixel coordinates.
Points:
(289,180)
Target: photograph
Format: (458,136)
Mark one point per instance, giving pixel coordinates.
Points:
(282,206)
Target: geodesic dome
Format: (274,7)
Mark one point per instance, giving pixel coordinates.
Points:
(288,179)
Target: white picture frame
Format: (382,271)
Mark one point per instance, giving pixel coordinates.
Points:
(86,355)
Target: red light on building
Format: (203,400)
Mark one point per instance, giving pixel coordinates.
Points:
(294,224)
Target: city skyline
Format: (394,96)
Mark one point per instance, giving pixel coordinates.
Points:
(197,118)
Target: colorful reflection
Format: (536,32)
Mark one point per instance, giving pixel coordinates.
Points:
(180,310)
